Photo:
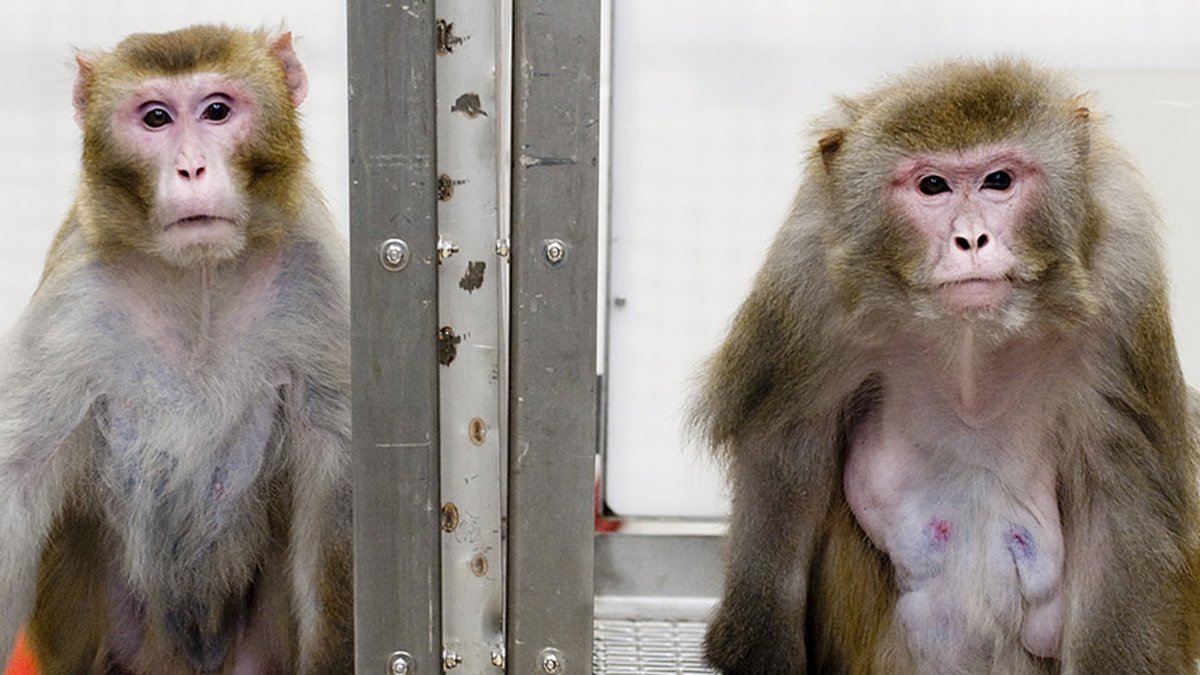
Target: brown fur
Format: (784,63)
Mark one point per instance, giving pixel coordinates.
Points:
(175,441)
(806,591)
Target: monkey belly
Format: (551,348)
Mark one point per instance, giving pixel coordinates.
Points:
(191,523)
(978,556)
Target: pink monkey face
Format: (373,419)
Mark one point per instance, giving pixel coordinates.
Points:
(967,208)
(185,130)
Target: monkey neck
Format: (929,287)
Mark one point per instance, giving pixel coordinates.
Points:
(984,379)
(967,375)
(204,302)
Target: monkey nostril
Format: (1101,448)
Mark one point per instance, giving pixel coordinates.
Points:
(200,172)
(962,243)
(983,241)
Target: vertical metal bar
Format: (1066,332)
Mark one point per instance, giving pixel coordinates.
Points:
(553,393)
(473,353)
(394,316)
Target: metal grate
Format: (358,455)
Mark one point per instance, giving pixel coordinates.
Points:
(627,646)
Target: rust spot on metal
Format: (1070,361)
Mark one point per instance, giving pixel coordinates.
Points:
(447,345)
(449,517)
(477,431)
(473,279)
(469,105)
(446,39)
(445,188)
(479,565)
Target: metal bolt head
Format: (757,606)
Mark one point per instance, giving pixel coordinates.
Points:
(446,248)
(498,657)
(556,251)
(552,660)
(401,663)
(451,660)
(394,255)
(502,247)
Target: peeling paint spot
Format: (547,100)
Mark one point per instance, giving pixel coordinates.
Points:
(473,279)
(469,105)
(447,345)
(530,161)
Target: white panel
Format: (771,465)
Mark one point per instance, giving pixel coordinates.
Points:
(710,102)
(39,142)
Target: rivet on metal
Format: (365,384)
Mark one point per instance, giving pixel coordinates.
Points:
(556,251)
(451,660)
(449,517)
(502,247)
(394,255)
(498,657)
(477,430)
(551,660)
(479,565)
(445,249)
(401,663)
(620,301)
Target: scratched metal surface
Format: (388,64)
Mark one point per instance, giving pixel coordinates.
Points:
(553,394)
(397,563)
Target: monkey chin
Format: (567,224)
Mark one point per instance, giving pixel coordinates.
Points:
(199,239)
(974,295)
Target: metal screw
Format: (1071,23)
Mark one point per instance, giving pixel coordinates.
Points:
(620,301)
(498,657)
(451,660)
(394,255)
(445,249)
(556,251)
(401,663)
(502,247)
(551,660)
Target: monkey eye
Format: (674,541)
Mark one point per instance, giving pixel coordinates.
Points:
(156,118)
(997,180)
(216,111)
(932,185)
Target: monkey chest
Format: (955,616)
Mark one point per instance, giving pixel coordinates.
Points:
(182,452)
(970,523)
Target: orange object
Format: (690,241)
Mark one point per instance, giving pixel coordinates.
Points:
(21,662)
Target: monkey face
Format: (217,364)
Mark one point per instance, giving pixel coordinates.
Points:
(967,210)
(182,132)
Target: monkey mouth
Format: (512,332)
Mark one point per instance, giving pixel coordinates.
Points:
(975,292)
(200,220)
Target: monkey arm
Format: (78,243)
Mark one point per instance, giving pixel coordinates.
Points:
(44,395)
(320,547)
(772,404)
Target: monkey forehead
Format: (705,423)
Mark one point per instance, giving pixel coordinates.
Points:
(971,162)
(184,90)
(242,56)
(957,106)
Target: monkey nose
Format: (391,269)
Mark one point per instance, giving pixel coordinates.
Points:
(190,172)
(971,243)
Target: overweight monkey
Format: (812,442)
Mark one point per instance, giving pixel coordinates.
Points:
(174,402)
(951,407)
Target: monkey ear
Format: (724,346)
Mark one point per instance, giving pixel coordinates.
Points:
(83,85)
(829,143)
(293,70)
(1078,106)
